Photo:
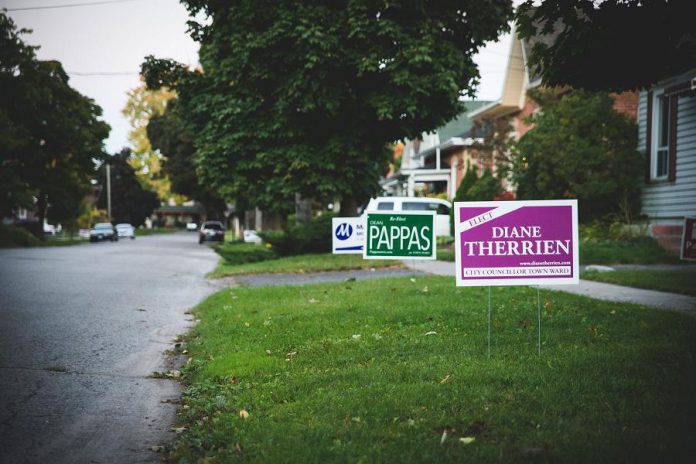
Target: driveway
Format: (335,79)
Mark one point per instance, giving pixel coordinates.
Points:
(81,329)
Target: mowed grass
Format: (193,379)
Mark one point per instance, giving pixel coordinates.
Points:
(674,281)
(302,264)
(396,371)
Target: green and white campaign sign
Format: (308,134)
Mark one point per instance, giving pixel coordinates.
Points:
(391,235)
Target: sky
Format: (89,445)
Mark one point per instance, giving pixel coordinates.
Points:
(102,45)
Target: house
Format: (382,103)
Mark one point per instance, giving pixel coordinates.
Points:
(433,164)
(667,137)
(515,103)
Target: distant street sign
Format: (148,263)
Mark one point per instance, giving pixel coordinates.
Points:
(348,235)
(400,235)
(688,245)
(516,242)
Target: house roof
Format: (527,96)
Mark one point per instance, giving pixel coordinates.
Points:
(462,124)
(518,76)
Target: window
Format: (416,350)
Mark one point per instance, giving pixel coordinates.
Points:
(422,206)
(660,146)
(661,134)
(385,206)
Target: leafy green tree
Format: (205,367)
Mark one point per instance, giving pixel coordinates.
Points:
(130,202)
(580,148)
(50,134)
(170,137)
(610,45)
(305,97)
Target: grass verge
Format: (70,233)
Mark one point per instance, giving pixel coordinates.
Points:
(396,371)
(674,281)
(301,264)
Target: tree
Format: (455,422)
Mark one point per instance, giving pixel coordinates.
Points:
(580,148)
(611,45)
(130,202)
(141,107)
(306,97)
(50,133)
(171,138)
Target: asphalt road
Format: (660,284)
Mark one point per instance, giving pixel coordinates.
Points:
(81,330)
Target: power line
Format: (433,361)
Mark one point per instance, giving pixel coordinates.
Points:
(69,5)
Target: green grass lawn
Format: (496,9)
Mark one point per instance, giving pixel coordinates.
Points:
(378,371)
(302,264)
(638,251)
(677,281)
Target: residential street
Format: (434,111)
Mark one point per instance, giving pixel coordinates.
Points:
(82,329)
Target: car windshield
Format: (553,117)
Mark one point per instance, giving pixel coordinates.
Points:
(123,226)
(212,226)
(103,226)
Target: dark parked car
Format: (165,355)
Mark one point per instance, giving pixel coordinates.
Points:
(211,231)
(103,231)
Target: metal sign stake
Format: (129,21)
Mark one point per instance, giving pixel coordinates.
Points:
(538,321)
(489,322)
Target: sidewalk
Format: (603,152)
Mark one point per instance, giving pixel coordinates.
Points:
(598,290)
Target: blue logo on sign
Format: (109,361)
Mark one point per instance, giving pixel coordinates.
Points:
(344,231)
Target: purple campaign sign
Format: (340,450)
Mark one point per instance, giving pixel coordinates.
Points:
(516,242)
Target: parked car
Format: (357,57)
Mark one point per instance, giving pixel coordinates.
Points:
(103,231)
(211,231)
(191,226)
(125,230)
(405,204)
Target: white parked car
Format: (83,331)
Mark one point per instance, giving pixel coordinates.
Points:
(125,231)
(406,204)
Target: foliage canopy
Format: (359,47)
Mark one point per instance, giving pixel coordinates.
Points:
(50,134)
(130,202)
(610,45)
(304,97)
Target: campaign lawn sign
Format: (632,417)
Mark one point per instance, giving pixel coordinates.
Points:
(688,245)
(348,236)
(392,235)
(516,243)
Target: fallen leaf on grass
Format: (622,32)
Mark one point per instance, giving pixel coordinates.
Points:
(413,280)
(178,429)
(312,300)
(432,332)
(244,414)
(467,440)
(425,289)
(445,380)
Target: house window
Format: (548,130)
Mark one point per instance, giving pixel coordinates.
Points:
(661,129)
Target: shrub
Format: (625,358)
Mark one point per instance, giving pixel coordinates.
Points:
(580,148)
(240,253)
(11,236)
(311,237)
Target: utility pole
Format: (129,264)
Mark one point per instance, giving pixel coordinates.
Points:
(108,189)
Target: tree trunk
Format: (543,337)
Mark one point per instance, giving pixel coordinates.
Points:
(41,205)
(303,209)
(349,207)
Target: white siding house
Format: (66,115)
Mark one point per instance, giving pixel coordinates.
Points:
(667,137)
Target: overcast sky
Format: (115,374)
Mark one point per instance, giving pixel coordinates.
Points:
(102,46)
